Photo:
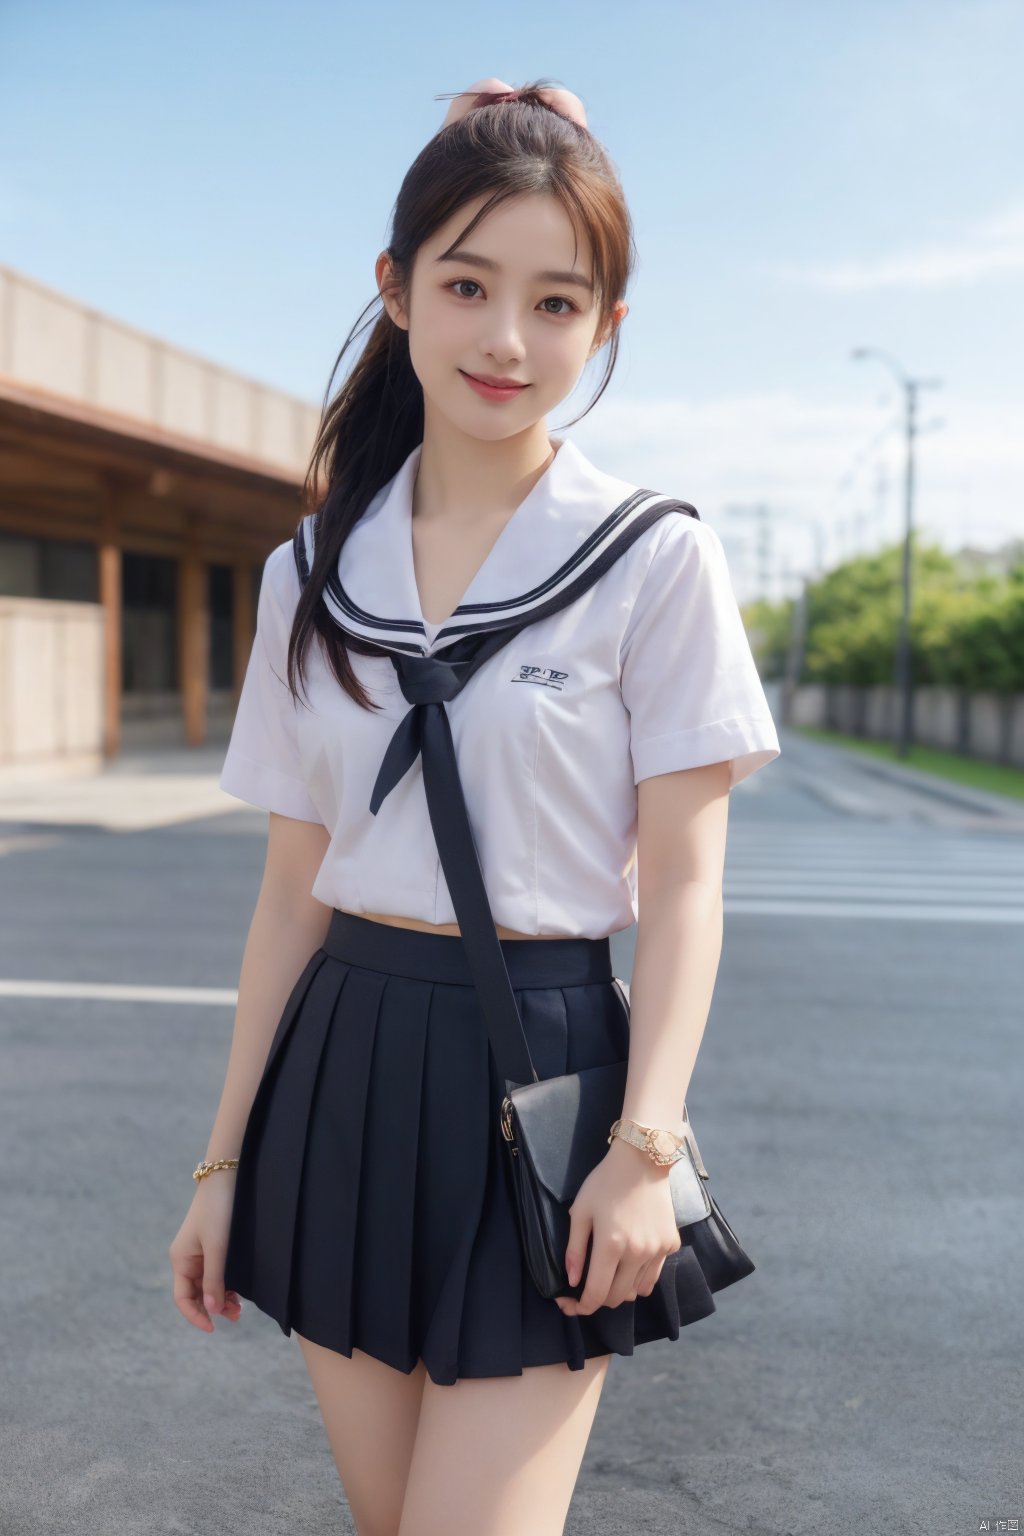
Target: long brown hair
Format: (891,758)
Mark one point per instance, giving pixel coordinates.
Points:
(504,148)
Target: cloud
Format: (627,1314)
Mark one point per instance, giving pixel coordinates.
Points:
(992,247)
(812,462)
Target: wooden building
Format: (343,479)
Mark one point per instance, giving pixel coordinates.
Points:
(141,489)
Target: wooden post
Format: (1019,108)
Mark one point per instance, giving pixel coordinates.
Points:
(109,560)
(193,637)
(243,623)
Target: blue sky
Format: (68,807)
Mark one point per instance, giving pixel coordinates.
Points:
(804,178)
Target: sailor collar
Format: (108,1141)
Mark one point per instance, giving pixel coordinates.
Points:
(571,524)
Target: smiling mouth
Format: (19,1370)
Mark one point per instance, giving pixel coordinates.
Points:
(494,383)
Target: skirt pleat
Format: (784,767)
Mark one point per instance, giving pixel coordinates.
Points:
(453,1173)
(382,1322)
(373,1201)
(271,1154)
(323,1262)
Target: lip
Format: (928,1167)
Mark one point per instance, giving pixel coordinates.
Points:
(493,391)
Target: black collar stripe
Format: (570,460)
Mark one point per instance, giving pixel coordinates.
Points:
(594,556)
(583,574)
(590,548)
(347,614)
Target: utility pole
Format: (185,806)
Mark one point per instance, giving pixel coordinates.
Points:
(763,553)
(798,627)
(904,677)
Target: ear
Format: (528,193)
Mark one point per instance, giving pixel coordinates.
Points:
(388,289)
(619,314)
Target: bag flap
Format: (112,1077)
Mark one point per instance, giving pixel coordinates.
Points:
(562,1123)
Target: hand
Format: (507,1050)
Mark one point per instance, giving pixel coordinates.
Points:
(626,1206)
(198,1251)
(562,101)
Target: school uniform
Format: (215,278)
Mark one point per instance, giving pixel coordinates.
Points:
(599,643)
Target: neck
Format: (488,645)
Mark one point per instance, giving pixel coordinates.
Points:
(466,480)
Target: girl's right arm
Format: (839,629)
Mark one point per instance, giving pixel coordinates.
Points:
(288,926)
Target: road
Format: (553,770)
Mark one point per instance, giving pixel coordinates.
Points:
(856,1100)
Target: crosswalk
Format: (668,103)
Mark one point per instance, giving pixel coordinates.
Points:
(887,873)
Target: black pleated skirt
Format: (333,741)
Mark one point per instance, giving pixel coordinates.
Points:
(373,1205)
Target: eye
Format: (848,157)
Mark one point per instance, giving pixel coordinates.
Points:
(460,282)
(558,299)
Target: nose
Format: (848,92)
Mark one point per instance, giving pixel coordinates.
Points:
(503,339)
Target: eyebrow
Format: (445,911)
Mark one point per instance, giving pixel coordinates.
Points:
(467,258)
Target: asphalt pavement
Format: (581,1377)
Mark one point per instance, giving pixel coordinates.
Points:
(856,1099)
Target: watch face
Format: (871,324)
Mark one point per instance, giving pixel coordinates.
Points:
(664,1143)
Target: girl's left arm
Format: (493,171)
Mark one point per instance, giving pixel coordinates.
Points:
(681,836)
(623,1204)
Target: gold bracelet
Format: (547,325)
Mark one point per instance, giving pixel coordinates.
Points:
(203,1168)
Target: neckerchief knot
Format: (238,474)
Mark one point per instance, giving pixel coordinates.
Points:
(430,679)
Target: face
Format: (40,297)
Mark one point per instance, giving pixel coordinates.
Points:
(494,309)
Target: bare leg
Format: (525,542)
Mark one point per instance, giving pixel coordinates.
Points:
(370,1412)
(500,1455)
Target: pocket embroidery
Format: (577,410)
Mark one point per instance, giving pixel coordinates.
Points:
(543,677)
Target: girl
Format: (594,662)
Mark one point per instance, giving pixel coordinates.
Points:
(527,692)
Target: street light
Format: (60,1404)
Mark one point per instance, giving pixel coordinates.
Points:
(910,387)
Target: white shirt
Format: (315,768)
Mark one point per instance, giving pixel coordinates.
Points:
(650,670)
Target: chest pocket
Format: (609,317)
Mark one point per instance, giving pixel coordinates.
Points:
(497,716)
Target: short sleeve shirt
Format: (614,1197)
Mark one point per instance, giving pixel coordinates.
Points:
(647,672)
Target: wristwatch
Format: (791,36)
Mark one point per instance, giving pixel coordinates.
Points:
(662,1147)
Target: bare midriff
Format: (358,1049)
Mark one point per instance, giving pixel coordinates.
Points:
(450,928)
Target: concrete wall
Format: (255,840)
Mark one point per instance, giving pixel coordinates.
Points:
(51,342)
(983,725)
(51,680)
